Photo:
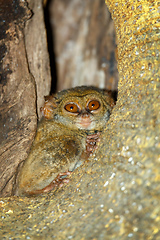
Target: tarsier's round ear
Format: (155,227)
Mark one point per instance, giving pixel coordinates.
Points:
(49,106)
(111,97)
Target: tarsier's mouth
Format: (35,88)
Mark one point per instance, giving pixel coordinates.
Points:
(84,122)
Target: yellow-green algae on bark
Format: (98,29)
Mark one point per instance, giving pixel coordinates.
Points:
(116,194)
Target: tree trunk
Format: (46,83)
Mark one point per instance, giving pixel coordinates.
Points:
(23,59)
(115,195)
(84,40)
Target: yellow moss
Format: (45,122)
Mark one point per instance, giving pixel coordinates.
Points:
(136,39)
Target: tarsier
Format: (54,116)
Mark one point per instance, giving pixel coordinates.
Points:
(66,136)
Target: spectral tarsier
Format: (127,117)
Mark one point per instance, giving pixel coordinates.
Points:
(66,136)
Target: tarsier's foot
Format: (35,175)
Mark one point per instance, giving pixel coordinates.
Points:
(57,182)
(91,142)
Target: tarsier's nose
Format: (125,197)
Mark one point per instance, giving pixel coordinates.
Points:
(85,115)
(84,120)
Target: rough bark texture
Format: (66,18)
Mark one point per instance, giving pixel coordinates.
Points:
(116,194)
(84,40)
(18,117)
(37,52)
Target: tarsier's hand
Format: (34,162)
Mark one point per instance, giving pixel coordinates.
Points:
(91,142)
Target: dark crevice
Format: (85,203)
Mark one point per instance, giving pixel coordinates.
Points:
(50,40)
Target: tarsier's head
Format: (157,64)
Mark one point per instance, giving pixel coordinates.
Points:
(86,108)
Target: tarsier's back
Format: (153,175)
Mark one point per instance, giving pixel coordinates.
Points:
(66,136)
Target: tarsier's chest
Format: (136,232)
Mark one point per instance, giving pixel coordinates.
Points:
(68,148)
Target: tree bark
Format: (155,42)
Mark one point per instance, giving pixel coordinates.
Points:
(84,41)
(37,52)
(18,119)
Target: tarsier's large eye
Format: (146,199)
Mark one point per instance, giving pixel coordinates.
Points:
(93,105)
(71,107)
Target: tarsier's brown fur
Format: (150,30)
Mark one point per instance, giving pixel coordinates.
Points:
(66,136)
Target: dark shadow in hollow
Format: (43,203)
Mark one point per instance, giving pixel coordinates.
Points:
(50,40)
(114,95)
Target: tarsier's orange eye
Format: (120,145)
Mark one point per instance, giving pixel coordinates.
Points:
(93,105)
(71,107)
